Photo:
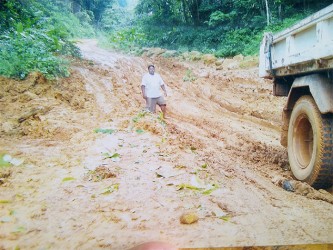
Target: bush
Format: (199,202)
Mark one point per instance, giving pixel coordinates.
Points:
(24,53)
(37,37)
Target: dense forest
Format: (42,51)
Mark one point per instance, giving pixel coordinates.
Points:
(39,35)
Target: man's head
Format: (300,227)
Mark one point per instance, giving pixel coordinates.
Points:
(151,69)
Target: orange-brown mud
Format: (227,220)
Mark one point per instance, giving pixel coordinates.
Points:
(100,173)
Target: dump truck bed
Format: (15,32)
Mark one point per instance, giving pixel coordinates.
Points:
(305,47)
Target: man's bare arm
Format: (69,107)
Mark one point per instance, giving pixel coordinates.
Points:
(143,89)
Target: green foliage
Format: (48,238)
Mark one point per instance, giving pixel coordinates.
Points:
(225,28)
(126,38)
(218,17)
(23,53)
(234,42)
(36,36)
(115,18)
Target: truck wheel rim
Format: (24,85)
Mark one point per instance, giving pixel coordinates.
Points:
(303,141)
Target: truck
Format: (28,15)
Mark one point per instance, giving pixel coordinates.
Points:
(299,61)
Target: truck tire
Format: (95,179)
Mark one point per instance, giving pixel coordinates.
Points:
(310,144)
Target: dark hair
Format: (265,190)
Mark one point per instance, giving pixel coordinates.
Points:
(151,65)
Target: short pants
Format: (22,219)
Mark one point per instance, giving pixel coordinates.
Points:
(151,103)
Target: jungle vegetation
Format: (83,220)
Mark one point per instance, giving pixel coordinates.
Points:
(40,35)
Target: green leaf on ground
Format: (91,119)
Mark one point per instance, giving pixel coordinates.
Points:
(5,201)
(107,155)
(3,162)
(188,186)
(209,191)
(140,131)
(225,218)
(104,131)
(204,165)
(159,175)
(20,229)
(68,179)
(111,189)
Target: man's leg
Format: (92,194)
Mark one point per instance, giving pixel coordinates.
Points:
(163,109)
(152,104)
(161,102)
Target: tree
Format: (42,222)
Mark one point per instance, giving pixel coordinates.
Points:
(267,12)
(97,7)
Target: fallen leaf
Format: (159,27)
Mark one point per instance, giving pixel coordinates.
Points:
(111,189)
(104,131)
(187,186)
(4,161)
(5,201)
(159,175)
(7,160)
(20,229)
(225,218)
(68,179)
(204,165)
(107,155)
(209,191)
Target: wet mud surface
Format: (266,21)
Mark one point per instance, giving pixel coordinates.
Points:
(93,170)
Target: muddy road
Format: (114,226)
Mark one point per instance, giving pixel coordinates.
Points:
(91,170)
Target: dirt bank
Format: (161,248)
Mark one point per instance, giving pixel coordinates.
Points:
(98,172)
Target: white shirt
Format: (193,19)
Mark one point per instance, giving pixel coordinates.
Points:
(152,85)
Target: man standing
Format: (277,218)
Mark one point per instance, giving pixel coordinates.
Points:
(150,87)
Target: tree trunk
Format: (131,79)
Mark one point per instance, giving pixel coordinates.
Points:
(280,12)
(194,9)
(184,11)
(267,12)
(197,10)
(262,8)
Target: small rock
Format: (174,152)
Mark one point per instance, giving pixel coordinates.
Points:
(189,218)
(219,62)
(286,185)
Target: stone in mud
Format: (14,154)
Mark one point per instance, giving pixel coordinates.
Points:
(287,185)
(189,218)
